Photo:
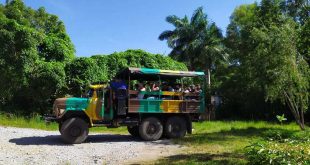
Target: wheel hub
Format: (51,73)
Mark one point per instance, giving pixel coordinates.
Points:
(151,129)
(176,128)
(75,131)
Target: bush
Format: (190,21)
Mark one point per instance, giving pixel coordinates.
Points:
(279,149)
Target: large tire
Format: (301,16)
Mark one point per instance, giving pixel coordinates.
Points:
(74,130)
(175,127)
(133,130)
(59,127)
(151,129)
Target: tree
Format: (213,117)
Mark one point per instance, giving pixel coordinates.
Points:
(265,44)
(81,72)
(33,45)
(284,72)
(195,42)
(297,9)
(102,68)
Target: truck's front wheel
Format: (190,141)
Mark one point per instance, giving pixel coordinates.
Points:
(133,130)
(74,130)
(150,129)
(59,127)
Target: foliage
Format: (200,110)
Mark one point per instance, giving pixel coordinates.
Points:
(34,47)
(281,118)
(196,42)
(282,71)
(267,62)
(37,61)
(102,68)
(280,150)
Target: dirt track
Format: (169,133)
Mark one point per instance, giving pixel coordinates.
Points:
(30,146)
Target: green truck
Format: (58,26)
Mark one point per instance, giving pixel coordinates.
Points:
(128,100)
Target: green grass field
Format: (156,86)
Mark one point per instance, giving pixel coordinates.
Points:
(224,142)
(216,142)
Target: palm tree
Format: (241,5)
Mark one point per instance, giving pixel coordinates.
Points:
(195,42)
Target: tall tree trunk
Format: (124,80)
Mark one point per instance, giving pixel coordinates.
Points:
(297,112)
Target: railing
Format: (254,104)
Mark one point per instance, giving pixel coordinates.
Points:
(164,102)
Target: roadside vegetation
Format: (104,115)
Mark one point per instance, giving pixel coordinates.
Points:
(37,122)
(242,142)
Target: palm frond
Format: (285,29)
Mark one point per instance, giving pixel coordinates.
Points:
(175,21)
(165,35)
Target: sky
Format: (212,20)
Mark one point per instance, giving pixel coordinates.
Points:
(107,26)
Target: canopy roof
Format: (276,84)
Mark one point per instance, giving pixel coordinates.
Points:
(147,73)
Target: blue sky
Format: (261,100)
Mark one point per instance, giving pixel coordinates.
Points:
(107,26)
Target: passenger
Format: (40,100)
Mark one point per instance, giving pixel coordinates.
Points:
(198,89)
(118,84)
(170,88)
(177,88)
(148,86)
(141,89)
(164,86)
(186,89)
(192,88)
(136,87)
(155,86)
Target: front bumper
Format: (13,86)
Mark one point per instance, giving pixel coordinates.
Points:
(50,118)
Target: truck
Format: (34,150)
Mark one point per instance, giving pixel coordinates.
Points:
(148,114)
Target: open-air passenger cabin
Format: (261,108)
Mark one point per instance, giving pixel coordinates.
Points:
(163,101)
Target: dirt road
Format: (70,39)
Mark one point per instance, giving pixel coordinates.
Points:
(30,146)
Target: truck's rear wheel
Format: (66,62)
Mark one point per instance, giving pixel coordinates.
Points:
(133,130)
(74,130)
(175,127)
(150,129)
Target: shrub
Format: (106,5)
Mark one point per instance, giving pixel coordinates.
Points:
(279,150)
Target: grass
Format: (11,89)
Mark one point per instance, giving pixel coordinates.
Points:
(224,142)
(36,122)
(216,142)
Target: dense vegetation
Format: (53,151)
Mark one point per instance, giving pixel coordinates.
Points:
(260,67)
(101,68)
(38,64)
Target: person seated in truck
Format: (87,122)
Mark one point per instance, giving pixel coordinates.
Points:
(198,89)
(155,86)
(141,90)
(164,86)
(118,84)
(177,88)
